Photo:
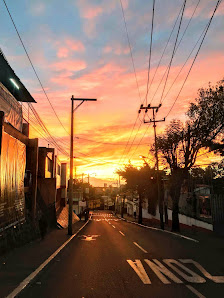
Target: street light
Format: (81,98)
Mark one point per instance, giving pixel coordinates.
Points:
(71,160)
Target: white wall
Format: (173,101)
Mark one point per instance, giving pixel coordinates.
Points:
(189,221)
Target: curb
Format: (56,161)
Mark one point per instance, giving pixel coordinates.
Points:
(156,229)
(30,277)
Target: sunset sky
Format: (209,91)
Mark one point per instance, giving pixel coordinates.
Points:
(81,48)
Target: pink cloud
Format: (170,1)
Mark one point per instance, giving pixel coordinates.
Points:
(204,10)
(89,11)
(92,12)
(69,46)
(119,50)
(125,4)
(62,52)
(75,45)
(107,49)
(69,65)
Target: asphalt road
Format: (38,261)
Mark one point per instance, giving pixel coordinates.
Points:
(113,258)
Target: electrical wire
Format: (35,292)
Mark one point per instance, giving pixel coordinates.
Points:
(128,139)
(103,143)
(140,142)
(181,18)
(31,63)
(164,50)
(185,63)
(126,157)
(130,49)
(177,45)
(38,121)
(150,51)
(136,79)
(209,23)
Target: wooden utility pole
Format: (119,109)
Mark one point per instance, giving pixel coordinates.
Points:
(154,121)
(71,174)
(70,210)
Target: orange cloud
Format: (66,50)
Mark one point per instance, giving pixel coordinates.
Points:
(115,88)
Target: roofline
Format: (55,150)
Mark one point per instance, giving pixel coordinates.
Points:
(6,73)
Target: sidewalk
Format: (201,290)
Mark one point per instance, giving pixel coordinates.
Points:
(205,237)
(16,265)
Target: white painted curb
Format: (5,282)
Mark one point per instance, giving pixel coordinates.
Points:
(30,277)
(165,231)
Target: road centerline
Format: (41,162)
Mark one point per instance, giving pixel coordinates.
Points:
(113,226)
(121,233)
(145,251)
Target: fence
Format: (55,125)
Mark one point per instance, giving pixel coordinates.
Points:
(217,204)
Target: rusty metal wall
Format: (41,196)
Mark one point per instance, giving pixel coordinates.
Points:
(13,163)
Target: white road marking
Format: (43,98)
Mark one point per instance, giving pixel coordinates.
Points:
(190,277)
(198,294)
(216,279)
(30,277)
(139,269)
(113,226)
(160,270)
(89,238)
(165,231)
(140,247)
(121,233)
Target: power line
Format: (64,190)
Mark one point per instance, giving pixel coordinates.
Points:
(149,67)
(209,23)
(37,121)
(44,128)
(34,67)
(173,50)
(129,139)
(150,52)
(160,60)
(140,142)
(177,45)
(185,63)
(132,141)
(103,143)
(134,69)
(131,54)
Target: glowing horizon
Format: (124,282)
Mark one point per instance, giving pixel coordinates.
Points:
(82,49)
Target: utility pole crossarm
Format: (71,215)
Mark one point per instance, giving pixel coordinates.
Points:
(150,121)
(84,99)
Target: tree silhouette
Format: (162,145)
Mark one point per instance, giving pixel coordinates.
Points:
(180,143)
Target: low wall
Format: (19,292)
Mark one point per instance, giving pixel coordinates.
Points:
(183,219)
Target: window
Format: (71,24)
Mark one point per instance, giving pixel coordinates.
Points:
(58,170)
